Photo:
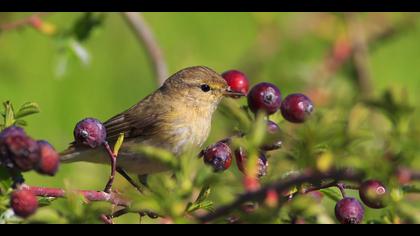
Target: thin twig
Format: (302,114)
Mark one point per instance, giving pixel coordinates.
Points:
(137,23)
(22,22)
(280,186)
(90,195)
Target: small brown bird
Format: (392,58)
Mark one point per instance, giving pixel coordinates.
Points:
(175,117)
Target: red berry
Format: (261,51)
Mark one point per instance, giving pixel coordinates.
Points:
(251,184)
(265,97)
(18,150)
(50,161)
(349,211)
(36,22)
(90,132)
(237,81)
(403,175)
(24,203)
(296,108)
(219,156)
(272,198)
(373,194)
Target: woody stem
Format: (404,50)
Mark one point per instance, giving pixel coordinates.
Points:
(113,160)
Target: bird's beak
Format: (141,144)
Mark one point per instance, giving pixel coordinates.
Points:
(229,93)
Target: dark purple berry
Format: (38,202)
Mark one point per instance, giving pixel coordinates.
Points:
(241,157)
(49,161)
(18,150)
(90,132)
(349,211)
(296,108)
(373,194)
(12,130)
(265,97)
(24,203)
(237,81)
(219,156)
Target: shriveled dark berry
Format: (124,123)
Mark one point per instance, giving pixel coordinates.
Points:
(18,150)
(90,132)
(24,203)
(11,131)
(373,194)
(265,97)
(237,81)
(296,108)
(49,161)
(219,156)
(349,211)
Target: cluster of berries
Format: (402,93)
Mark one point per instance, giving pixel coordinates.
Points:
(20,153)
(263,97)
(372,193)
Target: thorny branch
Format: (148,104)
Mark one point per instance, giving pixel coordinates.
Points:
(281,186)
(137,23)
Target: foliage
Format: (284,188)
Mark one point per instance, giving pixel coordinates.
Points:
(375,135)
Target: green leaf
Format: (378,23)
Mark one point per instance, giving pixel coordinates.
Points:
(204,193)
(118,144)
(45,201)
(332,193)
(9,117)
(21,123)
(206,205)
(27,109)
(85,25)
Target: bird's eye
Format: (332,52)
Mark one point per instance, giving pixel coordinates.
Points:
(205,87)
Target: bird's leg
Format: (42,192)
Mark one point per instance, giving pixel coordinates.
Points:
(113,160)
(143,180)
(124,174)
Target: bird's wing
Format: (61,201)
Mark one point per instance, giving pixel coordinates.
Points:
(141,120)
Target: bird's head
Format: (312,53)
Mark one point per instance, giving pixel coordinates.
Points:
(198,85)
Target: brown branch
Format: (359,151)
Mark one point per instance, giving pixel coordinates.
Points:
(90,195)
(27,21)
(143,33)
(281,186)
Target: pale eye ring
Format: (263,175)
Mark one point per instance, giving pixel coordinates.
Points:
(205,87)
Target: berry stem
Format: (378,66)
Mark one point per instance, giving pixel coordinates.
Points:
(113,160)
(340,186)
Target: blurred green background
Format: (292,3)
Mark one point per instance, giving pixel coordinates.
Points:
(288,49)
